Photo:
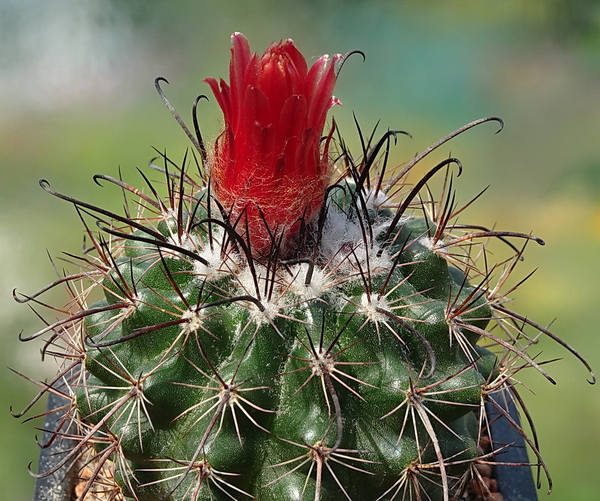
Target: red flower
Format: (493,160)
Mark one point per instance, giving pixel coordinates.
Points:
(270,168)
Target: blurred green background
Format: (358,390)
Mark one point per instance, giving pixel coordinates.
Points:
(77,98)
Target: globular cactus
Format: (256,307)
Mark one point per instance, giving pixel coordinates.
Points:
(289,323)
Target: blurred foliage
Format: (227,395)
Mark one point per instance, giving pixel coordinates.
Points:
(77,98)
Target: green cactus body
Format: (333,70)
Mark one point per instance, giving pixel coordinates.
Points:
(254,352)
(302,378)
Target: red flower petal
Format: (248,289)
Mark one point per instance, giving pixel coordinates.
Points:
(269,169)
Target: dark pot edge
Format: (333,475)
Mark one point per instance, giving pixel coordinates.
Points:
(515,482)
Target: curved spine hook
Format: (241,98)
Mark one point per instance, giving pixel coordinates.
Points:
(201,145)
(436,145)
(192,138)
(45,185)
(340,63)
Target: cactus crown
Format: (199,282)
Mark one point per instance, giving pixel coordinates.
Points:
(286,323)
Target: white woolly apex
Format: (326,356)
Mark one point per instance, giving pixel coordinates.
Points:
(371,303)
(344,242)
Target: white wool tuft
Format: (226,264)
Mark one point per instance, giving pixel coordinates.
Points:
(317,285)
(194,320)
(370,303)
(343,243)
(376,200)
(267,314)
(219,263)
(427,242)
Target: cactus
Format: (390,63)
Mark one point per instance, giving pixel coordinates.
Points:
(291,322)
